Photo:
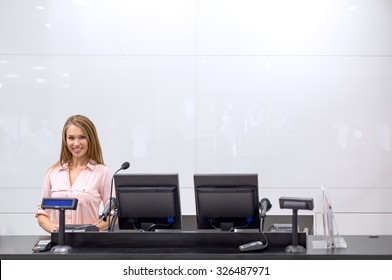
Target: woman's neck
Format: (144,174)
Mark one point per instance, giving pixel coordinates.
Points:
(78,163)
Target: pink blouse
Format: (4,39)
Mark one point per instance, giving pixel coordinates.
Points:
(91,187)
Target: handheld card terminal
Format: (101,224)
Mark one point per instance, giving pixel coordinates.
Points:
(42,246)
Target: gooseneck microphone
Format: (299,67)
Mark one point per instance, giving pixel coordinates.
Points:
(264,206)
(124,166)
(108,209)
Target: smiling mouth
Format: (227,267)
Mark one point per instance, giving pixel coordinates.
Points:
(77,150)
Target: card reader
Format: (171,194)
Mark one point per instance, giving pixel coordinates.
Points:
(42,246)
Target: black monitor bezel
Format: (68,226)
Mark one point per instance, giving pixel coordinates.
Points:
(224,183)
(147,182)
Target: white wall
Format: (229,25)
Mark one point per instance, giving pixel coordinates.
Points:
(298,91)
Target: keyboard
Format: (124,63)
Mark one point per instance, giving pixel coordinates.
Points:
(80,228)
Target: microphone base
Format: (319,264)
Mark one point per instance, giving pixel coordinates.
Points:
(252,246)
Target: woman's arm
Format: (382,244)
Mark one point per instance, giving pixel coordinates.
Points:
(47,224)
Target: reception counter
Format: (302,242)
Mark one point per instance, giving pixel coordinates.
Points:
(191,245)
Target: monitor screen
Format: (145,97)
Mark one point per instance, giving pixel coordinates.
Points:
(227,201)
(148,202)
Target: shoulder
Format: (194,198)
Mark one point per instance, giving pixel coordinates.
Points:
(99,168)
(103,172)
(55,169)
(103,168)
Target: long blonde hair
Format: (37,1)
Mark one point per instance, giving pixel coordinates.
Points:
(94,151)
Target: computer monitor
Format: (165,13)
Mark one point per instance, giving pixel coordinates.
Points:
(227,201)
(148,202)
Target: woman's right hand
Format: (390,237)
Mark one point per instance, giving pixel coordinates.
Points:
(55,227)
(47,224)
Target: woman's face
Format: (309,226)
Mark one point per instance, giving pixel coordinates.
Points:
(77,142)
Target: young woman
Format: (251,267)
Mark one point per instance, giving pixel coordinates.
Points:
(79,173)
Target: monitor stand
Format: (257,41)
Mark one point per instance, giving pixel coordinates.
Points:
(226,226)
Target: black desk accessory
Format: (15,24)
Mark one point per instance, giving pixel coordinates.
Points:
(80,228)
(60,204)
(124,166)
(264,206)
(296,204)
